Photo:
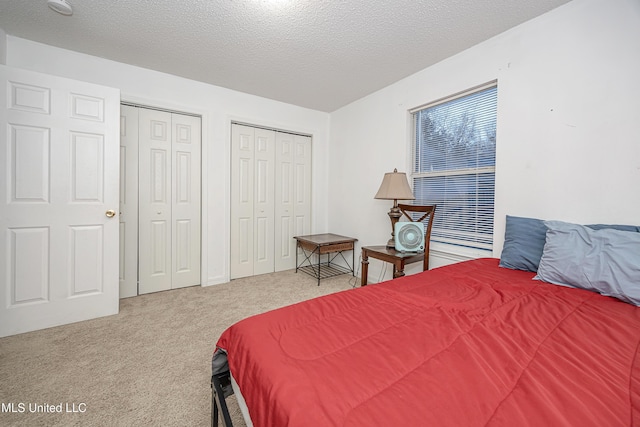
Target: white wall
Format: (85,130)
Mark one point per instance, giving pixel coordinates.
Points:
(218,107)
(568,139)
(568,142)
(3,47)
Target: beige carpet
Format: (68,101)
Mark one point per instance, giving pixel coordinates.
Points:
(148,365)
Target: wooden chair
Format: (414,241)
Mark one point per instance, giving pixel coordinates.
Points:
(419,213)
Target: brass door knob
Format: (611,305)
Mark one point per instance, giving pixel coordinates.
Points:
(110,213)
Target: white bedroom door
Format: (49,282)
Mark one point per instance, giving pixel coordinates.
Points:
(58,201)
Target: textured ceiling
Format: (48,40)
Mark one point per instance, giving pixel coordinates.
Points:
(319,54)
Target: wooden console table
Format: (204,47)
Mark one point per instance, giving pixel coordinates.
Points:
(383,253)
(321,244)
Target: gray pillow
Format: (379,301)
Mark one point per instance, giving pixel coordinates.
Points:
(619,227)
(523,243)
(605,261)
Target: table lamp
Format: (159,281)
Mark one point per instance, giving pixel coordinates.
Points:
(394,187)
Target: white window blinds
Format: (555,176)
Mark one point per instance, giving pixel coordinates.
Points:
(454,166)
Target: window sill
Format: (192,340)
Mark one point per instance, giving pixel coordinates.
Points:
(456,253)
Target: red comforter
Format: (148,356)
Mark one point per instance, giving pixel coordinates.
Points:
(470,344)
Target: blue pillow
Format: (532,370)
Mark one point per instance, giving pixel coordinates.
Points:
(606,261)
(524,240)
(523,243)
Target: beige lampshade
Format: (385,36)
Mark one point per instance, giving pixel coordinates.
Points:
(395,187)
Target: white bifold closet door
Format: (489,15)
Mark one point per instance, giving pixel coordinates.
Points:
(168,200)
(128,263)
(270,198)
(292,195)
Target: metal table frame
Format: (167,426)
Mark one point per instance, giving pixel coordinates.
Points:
(332,245)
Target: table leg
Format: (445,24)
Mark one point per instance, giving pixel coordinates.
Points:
(319,259)
(365,269)
(353,262)
(398,270)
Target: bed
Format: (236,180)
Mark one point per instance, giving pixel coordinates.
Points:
(479,342)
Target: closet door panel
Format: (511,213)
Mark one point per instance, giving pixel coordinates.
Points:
(185,206)
(284,210)
(264,201)
(155,240)
(242,195)
(302,178)
(128,201)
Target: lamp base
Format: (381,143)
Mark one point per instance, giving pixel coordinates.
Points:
(391,244)
(394,216)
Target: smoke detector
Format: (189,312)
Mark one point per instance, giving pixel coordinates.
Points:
(60,6)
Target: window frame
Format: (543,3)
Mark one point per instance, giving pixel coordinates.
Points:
(453,251)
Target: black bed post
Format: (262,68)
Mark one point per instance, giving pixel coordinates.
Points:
(214,407)
(218,401)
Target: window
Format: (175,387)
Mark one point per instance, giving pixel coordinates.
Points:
(454,153)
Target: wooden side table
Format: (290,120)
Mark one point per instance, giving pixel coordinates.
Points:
(383,253)
(321,244)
